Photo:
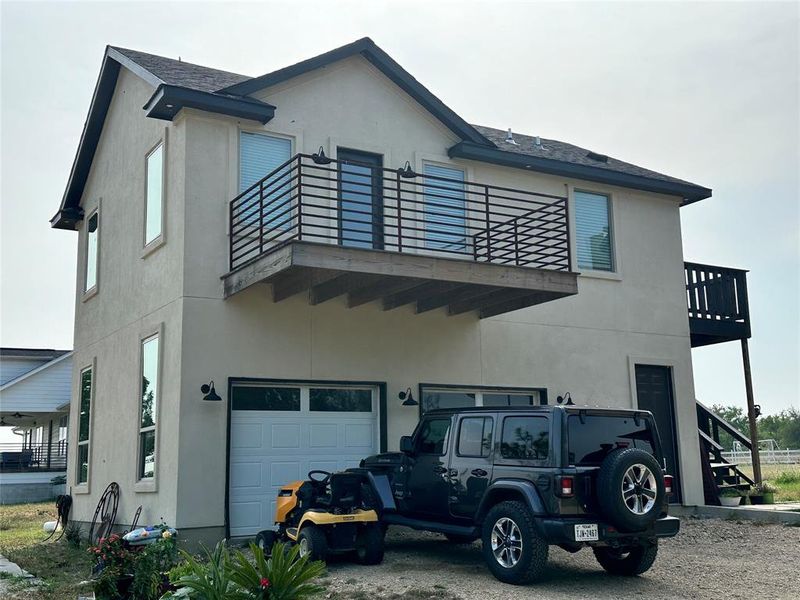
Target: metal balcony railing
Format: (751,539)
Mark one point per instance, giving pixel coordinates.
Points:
(313,198)
(16,456)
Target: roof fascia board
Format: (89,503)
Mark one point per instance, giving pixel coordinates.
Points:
(134,67)
(33,372)
(466,150)
(168,100)
(387,65)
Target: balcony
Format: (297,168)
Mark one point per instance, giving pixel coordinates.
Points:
(26,458)
(717,302)
(333,228)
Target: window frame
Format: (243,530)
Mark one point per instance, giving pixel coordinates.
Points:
(84,487)
(89,292)
(149,246)
(430,245)
(148,484)
(479,390)
(614,271)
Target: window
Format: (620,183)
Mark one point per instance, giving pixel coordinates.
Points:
(84,426)
(475,436)
(265,398)
(593,232)
(340,400)
(260,155)
(445,210)
(593,437)
(63,424)
(149,408)
(525,438)
(433,398)
(433,436)
(92,233)
(154,189)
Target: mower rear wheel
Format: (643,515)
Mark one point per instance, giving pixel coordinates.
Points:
(369,545)
(265,540)
(313,543)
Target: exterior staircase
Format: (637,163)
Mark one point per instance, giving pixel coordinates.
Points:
(718,473)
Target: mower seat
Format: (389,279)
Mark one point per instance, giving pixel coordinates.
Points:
(345,491)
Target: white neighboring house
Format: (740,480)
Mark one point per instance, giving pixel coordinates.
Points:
(34,417)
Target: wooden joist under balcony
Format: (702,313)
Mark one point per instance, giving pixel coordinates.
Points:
(326,271)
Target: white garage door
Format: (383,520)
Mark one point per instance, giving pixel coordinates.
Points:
(281,432)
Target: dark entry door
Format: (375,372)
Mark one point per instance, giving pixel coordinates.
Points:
(654,392)
(360,199)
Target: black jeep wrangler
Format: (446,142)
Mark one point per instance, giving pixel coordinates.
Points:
(523,478)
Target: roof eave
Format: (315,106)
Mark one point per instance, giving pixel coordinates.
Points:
(688,192)
(168,100)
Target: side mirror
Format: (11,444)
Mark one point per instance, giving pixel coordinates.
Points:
(406,445)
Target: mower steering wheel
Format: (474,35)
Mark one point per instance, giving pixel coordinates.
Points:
(323,481)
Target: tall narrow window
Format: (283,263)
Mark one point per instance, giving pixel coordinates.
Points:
(445,210)
(84,426)
(593,232)
(154,207)
(149,408)
(92,233)
(260,155)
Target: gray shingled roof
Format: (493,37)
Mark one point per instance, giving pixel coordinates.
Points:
(44,353)
(564,152)
(183,74)
(197,77)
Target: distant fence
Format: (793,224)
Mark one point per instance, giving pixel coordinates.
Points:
(784,457)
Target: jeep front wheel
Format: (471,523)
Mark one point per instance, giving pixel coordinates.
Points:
(513,549)
(629,560)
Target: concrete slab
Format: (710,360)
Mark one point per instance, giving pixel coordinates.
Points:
(788,514)
(6,566)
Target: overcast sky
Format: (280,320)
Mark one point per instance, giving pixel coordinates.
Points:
(704,92)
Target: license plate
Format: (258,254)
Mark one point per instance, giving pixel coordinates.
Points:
(586,533)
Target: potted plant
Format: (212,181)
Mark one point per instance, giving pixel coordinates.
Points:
(768,492)
(730,497)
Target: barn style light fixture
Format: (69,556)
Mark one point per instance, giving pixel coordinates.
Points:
(565,399)
(320,158)
(408,398)
(210,393)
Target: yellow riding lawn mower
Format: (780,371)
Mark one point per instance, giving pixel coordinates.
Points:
(331,513)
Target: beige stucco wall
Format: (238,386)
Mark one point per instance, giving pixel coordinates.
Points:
(585,344)
(138,293)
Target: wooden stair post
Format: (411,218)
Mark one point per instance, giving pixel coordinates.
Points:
(751,412)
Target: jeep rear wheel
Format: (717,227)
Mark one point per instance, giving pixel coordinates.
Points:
(512,547)
(629,560)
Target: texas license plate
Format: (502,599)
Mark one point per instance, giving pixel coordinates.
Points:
(586,533)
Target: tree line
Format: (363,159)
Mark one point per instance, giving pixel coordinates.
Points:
(783,427)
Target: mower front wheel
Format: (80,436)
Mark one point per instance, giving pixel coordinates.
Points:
(266,540)
(369,545)
(313,543)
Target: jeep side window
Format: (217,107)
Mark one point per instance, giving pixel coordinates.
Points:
(475,437)
(525,438)
(433,436)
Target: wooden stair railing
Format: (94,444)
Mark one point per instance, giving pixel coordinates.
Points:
(718,473)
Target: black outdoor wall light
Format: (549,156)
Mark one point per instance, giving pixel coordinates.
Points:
(566,397)
(408,398)
(209,391)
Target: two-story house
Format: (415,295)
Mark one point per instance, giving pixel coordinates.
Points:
(316,241)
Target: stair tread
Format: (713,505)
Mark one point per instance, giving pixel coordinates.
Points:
(721,465)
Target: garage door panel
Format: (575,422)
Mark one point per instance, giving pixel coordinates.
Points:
(286,435)
(323,465)
(359,435)
(323,435)
(282,473)
(246,474)
(248,435)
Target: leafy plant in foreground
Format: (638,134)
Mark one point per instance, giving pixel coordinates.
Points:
(284,576)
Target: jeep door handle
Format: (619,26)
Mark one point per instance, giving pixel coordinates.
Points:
(439,469)
(479,473)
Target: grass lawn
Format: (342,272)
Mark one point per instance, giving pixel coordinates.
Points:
(785,477)
(59,566)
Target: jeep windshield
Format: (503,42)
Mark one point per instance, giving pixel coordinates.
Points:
(592,437)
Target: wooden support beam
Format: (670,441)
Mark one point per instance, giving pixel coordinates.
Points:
(410,295)
(495,297)
(290,282)
(341,283)
(380,289)
(751,412)
(514,304)
(460,293)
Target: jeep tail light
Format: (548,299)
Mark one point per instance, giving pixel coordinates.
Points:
(668,484)
(566,487)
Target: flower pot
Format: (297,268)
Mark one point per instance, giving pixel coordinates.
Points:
(730,500)
(769,497)
(757,498)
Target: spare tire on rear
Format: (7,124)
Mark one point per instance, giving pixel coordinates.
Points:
(630,489)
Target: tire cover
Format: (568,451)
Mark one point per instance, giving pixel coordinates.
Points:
(611,496)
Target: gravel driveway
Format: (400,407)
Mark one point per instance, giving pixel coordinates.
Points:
(708,559)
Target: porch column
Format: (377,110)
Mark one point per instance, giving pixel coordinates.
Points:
(751,412)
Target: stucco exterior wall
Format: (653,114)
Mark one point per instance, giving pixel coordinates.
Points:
(138,292)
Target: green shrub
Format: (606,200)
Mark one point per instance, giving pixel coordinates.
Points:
(284,576)
(209,580)
(788,478)
(73,534)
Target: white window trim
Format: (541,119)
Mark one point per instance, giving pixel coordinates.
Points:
(92,291)
(158,241)
(148,484)
(84,487)
(616,268)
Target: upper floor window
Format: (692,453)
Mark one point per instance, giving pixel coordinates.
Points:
(433,398)
(593,232)
(259,156)
(92,248)
(154,190)
(84,426)
(149,408)
(445,210)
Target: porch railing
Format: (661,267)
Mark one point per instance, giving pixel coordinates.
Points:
(716,293)
(317,199)
(18,457)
